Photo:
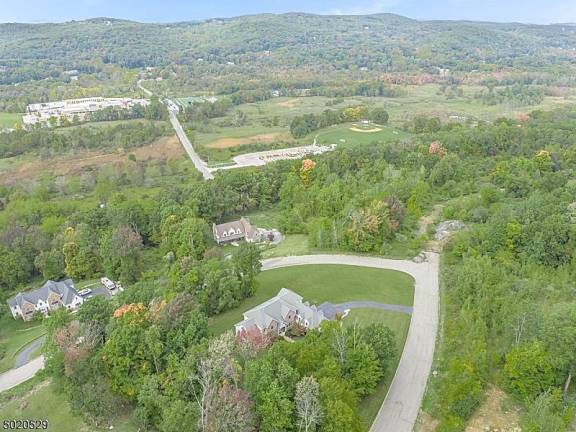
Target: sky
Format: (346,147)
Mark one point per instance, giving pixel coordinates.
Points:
(528,11)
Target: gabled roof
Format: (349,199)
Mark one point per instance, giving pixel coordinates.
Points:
(278,307)
(234,230)
(64,289)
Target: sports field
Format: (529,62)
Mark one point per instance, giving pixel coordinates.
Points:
(346,135)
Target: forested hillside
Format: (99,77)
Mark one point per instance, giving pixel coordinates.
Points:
(380,43)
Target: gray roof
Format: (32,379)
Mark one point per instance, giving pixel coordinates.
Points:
(278,307)
(65,289)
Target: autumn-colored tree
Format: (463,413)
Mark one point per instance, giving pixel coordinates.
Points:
(253,341)
(306,169)
(437,149)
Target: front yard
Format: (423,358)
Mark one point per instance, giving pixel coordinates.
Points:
(324,283)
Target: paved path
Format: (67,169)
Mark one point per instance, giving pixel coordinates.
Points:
(198,163)
(17,376)
(400,409)
(25,353)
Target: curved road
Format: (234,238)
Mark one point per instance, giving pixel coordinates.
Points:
(25,353)
(400,408)
(24,368)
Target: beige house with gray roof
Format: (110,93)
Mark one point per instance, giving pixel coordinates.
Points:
(279,313)
(51,296)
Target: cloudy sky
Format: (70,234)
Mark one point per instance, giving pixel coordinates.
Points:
(532,11)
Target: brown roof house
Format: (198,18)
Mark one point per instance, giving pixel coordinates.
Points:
(51,296)
(278,314)
(235,231)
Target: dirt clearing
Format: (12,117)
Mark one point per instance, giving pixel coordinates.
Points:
(496,413)
(224,143)
(373,130)
(166,148)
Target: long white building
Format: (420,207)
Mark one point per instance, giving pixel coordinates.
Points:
(41,113)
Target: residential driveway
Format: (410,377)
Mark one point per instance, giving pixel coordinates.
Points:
(17,376)
(23,356)
(400,409)
(330,310)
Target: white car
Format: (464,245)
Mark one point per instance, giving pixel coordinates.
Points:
(85,292)
(108,283)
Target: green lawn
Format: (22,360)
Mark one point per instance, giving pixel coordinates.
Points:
(14,335)
(321,283)
(399,323)
(44,402)
(292,244)
(9,120)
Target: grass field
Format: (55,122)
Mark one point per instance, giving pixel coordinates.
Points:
(345,137)
(14,335)
(399,323)
(44,402)
(9,120)
(321,283)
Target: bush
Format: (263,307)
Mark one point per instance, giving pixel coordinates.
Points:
(529,370)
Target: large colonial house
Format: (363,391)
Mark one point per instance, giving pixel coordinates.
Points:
(52,295)
(235,231)
(278,314)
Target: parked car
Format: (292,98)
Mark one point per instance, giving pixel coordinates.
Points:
(84,292)
(108,283)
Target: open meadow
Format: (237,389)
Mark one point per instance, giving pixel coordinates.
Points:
(266,124)
(10,120)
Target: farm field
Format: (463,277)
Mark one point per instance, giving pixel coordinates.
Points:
(9,120)
(26,167)
(14,335)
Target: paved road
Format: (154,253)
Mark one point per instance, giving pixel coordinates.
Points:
(145,90)
(17,376)
(400,409)
(24,354)
(198,163)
